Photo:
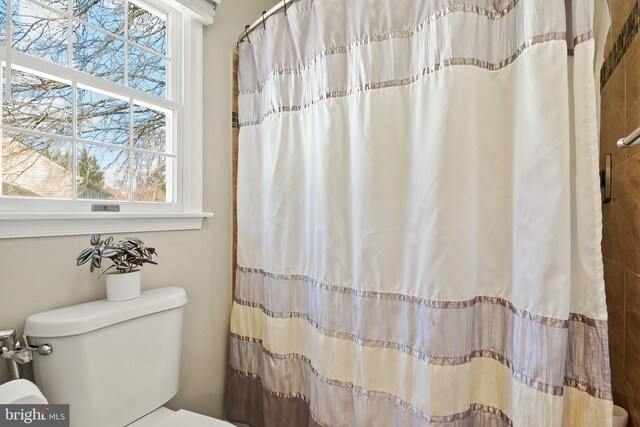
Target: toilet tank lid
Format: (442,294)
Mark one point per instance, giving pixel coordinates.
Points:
(84,318)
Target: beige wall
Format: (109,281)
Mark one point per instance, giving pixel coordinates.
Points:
(40,274)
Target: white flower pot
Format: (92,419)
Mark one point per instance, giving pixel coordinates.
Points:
(123,286)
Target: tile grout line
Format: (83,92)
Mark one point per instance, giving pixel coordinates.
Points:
(625,160)
(621,44)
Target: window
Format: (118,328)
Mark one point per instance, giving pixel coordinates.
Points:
(93,107)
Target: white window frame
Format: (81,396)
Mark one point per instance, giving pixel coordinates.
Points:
(36,217)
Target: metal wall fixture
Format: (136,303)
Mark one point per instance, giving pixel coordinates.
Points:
(17,354)
(606,175)
(606,178)
(8,341)
(632,139)
(281,6)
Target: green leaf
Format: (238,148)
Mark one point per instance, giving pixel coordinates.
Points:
(95,239)
(108,241)
(82,261)
(133,253)
(96,262)
(109,252)
(124,266)
(134,241)
(84,253)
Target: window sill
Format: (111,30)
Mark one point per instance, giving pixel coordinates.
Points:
(22,225)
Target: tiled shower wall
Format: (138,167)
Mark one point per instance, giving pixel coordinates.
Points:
(621,217)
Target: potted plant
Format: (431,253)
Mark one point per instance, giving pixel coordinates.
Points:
(128,256)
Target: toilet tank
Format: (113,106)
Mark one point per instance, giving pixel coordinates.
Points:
(112,362)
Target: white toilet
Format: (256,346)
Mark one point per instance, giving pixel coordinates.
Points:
(620,417)
(115,364)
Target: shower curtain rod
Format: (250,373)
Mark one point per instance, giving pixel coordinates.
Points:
(282,5)
(631,139)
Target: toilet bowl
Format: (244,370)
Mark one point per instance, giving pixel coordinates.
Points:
(21,392)
(115,363)
(620,417)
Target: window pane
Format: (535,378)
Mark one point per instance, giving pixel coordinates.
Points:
(147,72)
(103,173)
(150,177)
(98,53)
(107,14)
(3,21)
(147,29)
(36,167)
(102,118)
(39,103)
(60,5)
(149,129)
(39,32)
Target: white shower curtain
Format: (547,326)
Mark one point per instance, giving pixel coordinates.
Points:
(419,217)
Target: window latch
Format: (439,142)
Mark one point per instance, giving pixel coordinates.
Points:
(105,208)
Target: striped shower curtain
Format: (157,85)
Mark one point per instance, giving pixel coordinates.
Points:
(419,217)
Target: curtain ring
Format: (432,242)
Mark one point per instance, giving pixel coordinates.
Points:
(285,6)
(246,33)
(264,25)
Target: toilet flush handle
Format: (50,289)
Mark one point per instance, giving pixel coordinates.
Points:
(42,350)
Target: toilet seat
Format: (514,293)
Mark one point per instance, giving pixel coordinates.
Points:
(163,417)
(191,419)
